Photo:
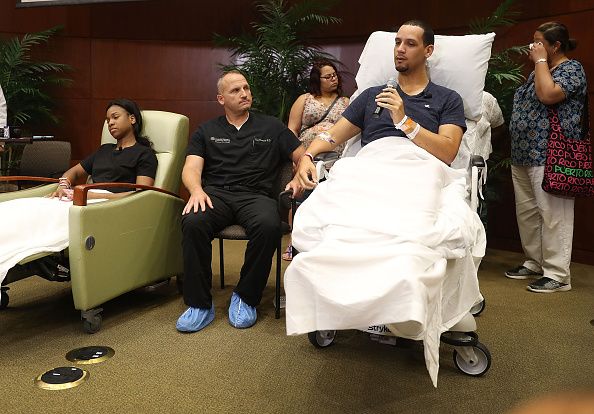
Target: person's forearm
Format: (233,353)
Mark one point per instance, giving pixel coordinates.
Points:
(192,181)
(318,146)
(543,83)
(442,147)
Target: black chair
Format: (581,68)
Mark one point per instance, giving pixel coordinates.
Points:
(44,159)
(237,232)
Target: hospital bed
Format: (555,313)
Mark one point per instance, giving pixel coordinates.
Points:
(116,246)
(460,63)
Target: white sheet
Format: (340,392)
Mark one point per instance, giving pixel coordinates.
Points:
(374,239)
(33,225)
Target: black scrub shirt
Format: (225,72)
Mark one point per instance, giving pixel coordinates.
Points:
(245,159)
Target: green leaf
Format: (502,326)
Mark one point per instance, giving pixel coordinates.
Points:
(276,56)
(25,82)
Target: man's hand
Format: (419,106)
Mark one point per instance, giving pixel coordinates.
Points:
(295,186)
(306,175)
(390,99)
(198,199)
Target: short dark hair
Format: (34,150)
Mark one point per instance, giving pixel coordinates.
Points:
(557,32)
(428,34)
(133,109)
(314,77)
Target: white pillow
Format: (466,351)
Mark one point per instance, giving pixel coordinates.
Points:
(458,62)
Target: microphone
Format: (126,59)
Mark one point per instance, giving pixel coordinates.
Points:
(427,95)
(378,109)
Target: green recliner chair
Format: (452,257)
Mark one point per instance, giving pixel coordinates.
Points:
(120,245)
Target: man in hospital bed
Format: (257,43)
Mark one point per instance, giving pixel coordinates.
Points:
(376,234)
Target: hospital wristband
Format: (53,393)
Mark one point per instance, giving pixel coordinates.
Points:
(414,132)
(402,121)
(311,157)
(64,182)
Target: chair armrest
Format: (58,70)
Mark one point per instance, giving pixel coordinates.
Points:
(81,191)
(477,161)
(327,156)
(28,178)
(285,200)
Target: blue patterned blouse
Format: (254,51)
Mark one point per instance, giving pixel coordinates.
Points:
(529,124)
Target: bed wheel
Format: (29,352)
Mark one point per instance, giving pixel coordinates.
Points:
(92,324)
(321,339)
(478,308)
(478,364)
(4,298)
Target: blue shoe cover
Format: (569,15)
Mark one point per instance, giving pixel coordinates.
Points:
(241,315)
(195,319)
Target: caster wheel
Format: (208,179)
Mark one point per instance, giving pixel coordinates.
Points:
(321,339)
(92,325)
(4,298)
(477,367)
(478,308)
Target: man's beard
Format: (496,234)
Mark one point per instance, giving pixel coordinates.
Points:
(401,69)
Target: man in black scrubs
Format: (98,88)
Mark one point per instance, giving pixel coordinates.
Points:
(230,167)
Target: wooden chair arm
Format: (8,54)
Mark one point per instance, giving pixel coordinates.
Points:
(27,178)
(81,191)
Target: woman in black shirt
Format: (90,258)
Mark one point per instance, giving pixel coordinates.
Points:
(130,160)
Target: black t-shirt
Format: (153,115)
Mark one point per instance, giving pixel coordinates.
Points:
(110,165)
(433,107)
(246,159)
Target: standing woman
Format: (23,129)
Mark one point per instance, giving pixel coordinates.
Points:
(545,221)
(318,110)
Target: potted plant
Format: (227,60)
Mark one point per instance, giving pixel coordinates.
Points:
(26,84)
(276,58)
(504,76)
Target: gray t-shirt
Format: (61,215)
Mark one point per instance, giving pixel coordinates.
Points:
(431,108)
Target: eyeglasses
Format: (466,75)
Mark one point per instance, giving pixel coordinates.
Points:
(330,76)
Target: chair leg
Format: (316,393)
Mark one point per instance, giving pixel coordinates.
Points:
(221,263)
(278,280)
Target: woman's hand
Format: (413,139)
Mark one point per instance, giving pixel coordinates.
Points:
(198,199)
(62,192)
(537,51)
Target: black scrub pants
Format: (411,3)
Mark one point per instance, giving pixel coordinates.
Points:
(258,214)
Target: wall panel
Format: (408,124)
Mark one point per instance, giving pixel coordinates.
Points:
(160,54)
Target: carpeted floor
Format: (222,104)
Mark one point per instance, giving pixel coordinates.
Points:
(540,344)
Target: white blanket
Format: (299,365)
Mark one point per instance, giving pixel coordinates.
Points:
(374,241)
(33,225)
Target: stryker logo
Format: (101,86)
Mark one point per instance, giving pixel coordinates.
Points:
(378,328)
(220,140)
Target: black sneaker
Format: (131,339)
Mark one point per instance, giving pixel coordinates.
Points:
(548,285)
(521,272)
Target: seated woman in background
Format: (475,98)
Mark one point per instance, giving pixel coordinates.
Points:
(318,110)
(40,224)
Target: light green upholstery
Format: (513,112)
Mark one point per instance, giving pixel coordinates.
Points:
(137,239)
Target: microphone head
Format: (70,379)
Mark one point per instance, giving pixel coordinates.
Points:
(392,82)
